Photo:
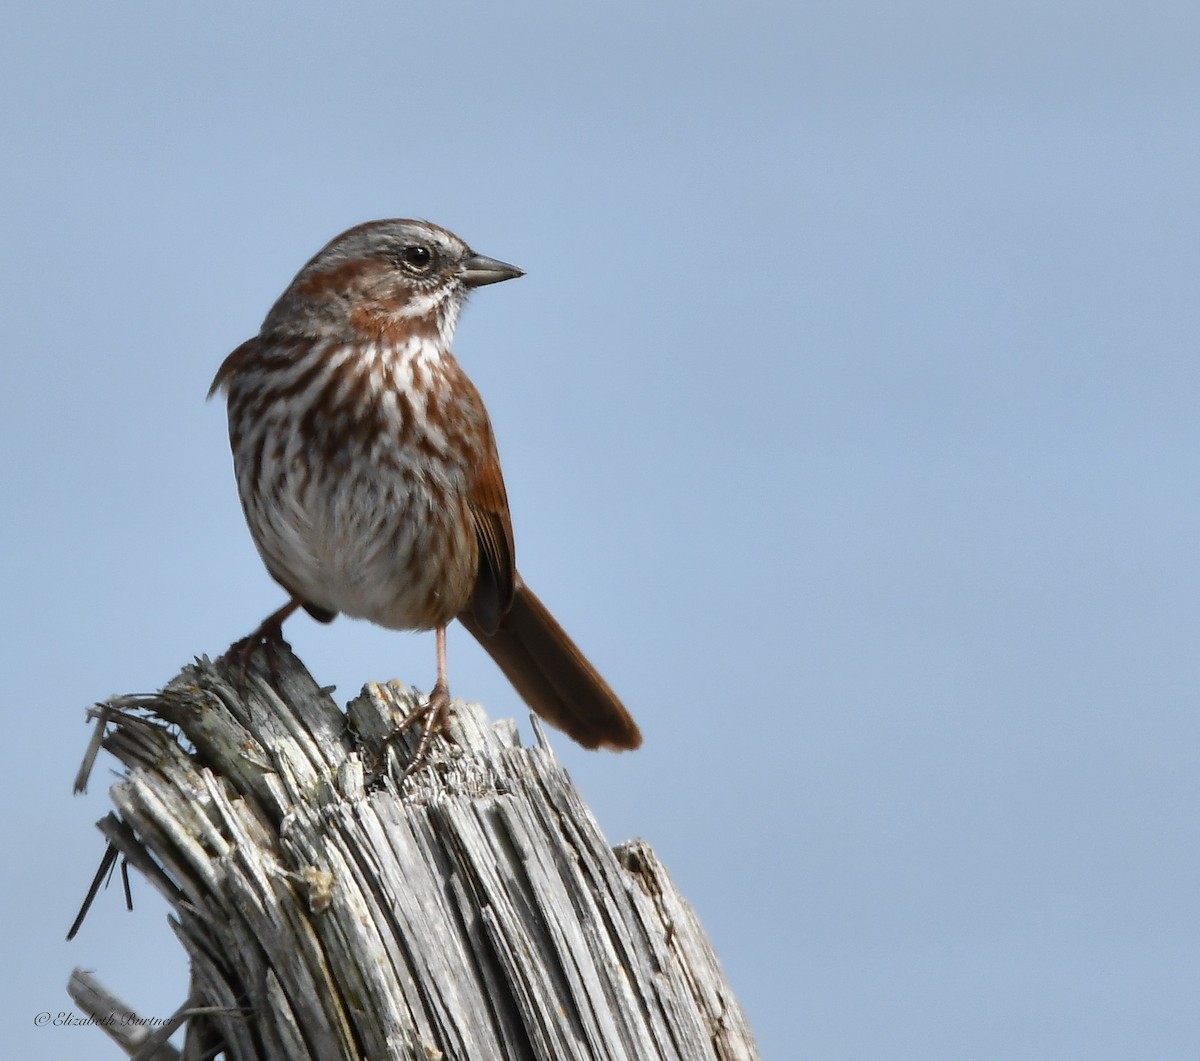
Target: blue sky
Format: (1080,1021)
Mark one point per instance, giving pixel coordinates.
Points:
(847,410)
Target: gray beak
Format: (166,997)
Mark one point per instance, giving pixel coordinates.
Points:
(478,270)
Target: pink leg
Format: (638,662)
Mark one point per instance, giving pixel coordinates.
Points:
(268,633)
(434,714)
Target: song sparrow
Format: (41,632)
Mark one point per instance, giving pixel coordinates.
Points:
(368,471)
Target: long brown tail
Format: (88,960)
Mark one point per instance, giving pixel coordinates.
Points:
(553,676)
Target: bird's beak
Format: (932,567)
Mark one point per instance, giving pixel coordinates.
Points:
(478,270)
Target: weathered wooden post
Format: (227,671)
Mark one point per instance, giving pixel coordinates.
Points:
(474,913)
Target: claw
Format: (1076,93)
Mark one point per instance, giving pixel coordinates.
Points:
(269,635)
(434,718)
(434,714)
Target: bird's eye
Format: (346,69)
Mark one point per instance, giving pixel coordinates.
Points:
(417,256)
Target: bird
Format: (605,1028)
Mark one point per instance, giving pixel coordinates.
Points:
(368,472)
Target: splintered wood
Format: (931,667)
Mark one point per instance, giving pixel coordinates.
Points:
(475,912)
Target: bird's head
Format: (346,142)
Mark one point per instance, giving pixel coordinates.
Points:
(384,280)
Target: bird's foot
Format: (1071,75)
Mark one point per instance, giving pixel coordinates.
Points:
(269,636)
(434,718)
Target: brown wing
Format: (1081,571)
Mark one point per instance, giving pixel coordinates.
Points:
(493,593)
(230,365)
(542,662)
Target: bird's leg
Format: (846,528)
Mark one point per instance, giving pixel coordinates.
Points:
(434,714)
(268,633)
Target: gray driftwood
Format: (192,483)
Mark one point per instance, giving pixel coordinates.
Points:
(475,912)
